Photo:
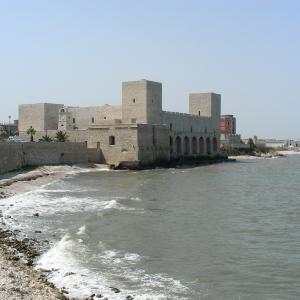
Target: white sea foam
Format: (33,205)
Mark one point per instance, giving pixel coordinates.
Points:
(71,255)
(291,152)
(62,261)
(67,257)
(40,202)
(81,230)
(135,199)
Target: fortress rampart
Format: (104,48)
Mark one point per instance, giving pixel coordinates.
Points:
(138,131)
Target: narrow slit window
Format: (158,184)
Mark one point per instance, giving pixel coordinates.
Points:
(112,140)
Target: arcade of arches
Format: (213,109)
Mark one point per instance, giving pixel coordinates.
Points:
(193,146)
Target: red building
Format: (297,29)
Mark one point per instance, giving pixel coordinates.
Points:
(227,124)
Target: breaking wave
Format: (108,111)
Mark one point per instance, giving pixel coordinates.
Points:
(68,261)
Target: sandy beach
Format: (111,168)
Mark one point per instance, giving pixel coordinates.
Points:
(18,279)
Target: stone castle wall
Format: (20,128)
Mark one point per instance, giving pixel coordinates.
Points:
(12,157)
(139,143)
(137,131)
(83,117)
(153,141)
(17,155)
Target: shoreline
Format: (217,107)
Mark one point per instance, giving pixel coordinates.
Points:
(18,277)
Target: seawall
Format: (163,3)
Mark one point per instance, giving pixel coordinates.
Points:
(14,156)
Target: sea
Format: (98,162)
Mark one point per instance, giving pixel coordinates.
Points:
(222,231)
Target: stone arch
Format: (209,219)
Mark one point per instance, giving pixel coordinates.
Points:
(215,145)
(178,145)
(171,145)
(201,145)
(194,145)
(208,146)
(186,146)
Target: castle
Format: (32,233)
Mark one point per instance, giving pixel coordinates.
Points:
(138,132)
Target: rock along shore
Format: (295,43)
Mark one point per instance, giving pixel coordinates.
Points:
(18,279)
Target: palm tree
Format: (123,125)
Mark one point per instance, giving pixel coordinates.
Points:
(31,131)
(251,144)
(46,138)
(61,136)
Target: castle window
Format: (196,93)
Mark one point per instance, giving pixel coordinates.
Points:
(62,110)
(133,100)
(111,140)
(104,118)
(171,125)
(93,120)
(74,120)
(191,128)
(98,145)
(199,113)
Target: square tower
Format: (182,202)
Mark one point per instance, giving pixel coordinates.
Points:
(206,105)
(41,116)
(142,102)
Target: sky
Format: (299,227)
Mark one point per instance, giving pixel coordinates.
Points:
(77,52)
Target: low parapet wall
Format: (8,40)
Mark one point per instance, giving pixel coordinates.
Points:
(14,156)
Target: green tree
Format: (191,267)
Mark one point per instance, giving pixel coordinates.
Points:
(61,136)
(251,144)
(31,131)
(3,135)
(46,138)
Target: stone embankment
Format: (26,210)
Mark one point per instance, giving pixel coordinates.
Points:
(14,156)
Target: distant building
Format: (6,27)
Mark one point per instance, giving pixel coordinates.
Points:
(138,131)
(269,143)
(228,124)
(273,143)
(293,144)
(229,138)
(9,128)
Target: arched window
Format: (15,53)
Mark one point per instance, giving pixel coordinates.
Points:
(208,146)
(194,145)
(215,145)
(186,146)
(178,145)
(171,145)
(201,145)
